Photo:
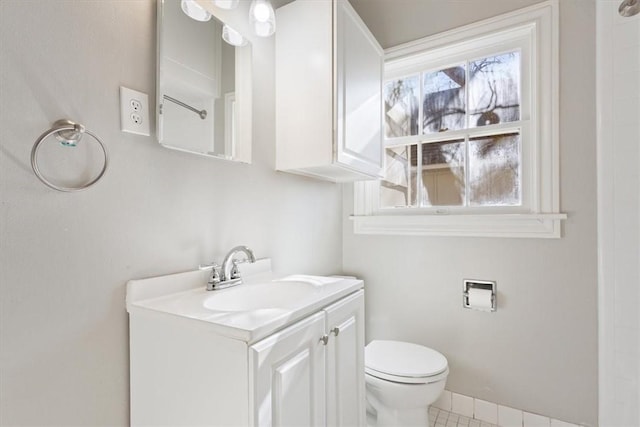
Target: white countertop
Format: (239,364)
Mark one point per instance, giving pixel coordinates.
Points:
(247,312)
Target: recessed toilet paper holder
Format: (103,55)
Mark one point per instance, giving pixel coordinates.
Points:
(481,285)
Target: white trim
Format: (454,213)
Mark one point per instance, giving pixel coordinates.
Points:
(536,29)
(230,124)
(440,57)
(494,225)
(490,26)
(243,110)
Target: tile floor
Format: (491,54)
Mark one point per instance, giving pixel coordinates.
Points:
(442,418)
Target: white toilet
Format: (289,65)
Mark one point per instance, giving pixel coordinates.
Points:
(402,379)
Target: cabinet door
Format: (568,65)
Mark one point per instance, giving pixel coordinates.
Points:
(345,362)
(287,378)
(358,74)
(304,85)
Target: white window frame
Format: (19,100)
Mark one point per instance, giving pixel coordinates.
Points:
(534,32)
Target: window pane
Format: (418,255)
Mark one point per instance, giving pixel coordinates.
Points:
(443,173)
(494,170)
(494,90)
(401,107)
(444,100)
(398,188)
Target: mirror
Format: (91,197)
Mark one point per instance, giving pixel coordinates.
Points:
(203,87)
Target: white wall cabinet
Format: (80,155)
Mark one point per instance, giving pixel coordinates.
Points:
(328,92)
(310,373)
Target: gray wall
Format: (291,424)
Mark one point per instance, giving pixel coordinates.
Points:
(538,352)
(65,258)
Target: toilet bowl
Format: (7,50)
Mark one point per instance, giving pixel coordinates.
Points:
(402,380)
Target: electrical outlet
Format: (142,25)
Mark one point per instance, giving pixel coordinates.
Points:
(134,112)
(135,105)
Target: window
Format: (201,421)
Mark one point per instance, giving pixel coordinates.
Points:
(455,118)
(470,133)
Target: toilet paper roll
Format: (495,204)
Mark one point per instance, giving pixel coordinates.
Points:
(480,298)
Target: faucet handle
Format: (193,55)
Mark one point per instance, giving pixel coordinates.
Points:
(215,274)
(235,273)
(211,266)
(215,270)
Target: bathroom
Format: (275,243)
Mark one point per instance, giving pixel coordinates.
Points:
(564,342)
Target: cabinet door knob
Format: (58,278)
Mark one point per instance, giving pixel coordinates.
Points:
(335,331)
(325,339)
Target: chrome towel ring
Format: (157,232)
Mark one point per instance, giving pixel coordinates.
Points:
(69,134)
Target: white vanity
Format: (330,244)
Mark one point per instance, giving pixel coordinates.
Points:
(286,351)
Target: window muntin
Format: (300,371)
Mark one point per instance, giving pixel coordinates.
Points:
(465,99)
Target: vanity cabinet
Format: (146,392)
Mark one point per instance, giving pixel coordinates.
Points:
(289,379)
(345,362)
(310,373)
(328,92)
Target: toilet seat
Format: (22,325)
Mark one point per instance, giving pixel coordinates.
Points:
(407,380)
(404,362)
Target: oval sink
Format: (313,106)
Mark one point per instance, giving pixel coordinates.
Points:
(282,295)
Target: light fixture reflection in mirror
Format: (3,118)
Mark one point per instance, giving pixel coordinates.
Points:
(233,37)
(203,84)
(262,18)
(194,11)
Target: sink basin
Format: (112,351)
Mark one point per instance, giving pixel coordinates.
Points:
(274,295)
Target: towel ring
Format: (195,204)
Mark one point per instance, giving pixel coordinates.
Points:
(69,134)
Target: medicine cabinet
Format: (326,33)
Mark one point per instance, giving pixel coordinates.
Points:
(203,87)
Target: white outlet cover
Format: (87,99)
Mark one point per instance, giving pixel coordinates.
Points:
(128,99)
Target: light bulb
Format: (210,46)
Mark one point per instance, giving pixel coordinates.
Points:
(226,4)
(233,37)
(194,11)
(261,12)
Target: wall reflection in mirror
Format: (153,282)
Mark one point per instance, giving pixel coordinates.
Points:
(204,83)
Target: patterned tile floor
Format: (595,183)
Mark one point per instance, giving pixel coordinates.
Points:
(442,418)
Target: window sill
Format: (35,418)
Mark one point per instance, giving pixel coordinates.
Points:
(546,226)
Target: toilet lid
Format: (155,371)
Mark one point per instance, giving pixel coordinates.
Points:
(403,359)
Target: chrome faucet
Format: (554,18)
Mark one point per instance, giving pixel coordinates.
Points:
(227,274)
(230,265)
